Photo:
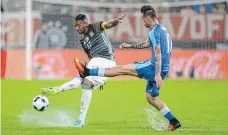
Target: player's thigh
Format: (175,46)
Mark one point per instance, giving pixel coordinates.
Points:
(152,88)
(97,81)
(145,70)
(101,63)
(127,69)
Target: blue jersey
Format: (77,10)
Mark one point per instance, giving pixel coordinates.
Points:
(160,36)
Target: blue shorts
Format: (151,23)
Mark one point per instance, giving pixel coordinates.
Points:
(146,70)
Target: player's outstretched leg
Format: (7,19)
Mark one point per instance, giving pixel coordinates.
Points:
(72,84)
(107,72)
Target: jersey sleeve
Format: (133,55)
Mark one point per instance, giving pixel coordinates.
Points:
(154,37)
(97,26)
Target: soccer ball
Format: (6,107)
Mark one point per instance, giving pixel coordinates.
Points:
(40,103)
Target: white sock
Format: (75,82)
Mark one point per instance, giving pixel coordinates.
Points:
(74,83)
(101,71)
(85,101)
(164,110)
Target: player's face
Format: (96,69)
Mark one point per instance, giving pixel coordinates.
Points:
(146,21)
(80,26)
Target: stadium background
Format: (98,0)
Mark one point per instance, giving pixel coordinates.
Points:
(200,51)
(199,31)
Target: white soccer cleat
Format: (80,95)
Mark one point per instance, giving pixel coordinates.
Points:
(78,124)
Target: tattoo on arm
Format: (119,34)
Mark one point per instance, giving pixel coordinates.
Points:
(158,56)
(138,45)
(141,45)
(111,23)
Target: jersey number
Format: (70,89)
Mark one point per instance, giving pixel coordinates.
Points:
(169,43)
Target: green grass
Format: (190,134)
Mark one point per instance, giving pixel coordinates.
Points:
(121,108)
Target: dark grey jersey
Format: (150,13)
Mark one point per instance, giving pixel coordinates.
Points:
(96,43)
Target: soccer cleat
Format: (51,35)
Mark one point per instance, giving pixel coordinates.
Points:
(174,124)
(49,91)
(78,124)
(82,69)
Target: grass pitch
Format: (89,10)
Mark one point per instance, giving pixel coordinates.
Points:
(120,109)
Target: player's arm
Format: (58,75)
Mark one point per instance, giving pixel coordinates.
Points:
(138,45)
(112,23)
(158,56)
(154,37)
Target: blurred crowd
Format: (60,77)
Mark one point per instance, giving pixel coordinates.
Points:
(19,5)
(220,8)
(56,32)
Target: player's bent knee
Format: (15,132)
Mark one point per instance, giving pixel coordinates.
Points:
(152,89)
(155,93)
(150,99)
(152,93)
(86,84)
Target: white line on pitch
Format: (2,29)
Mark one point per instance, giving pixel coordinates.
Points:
(181,129)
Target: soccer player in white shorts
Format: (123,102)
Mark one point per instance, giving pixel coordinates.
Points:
(97,46)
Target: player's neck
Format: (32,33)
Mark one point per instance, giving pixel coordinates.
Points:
(86,29)
(154,23)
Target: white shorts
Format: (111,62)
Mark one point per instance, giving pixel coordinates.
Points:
(101,63)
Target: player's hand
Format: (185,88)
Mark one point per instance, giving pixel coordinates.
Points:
(159,81)
(125,45)
(120,18)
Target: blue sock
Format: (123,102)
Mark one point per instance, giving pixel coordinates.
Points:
(169,116)
(167,113)
(94,71)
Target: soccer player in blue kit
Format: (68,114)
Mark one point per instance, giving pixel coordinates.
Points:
(153,70)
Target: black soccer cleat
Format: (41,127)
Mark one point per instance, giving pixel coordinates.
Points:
(174,124)
(82,69)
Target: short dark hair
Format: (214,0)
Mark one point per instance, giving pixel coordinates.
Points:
(81,17)
(148,10)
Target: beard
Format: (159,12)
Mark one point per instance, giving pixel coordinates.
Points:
(147,25)
(80,32)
